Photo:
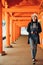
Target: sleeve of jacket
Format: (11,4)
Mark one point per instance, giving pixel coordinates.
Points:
(28,28)
(39,28)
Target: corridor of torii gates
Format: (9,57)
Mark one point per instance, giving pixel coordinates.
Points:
(17,14)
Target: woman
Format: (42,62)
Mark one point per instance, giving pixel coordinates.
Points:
(34,28)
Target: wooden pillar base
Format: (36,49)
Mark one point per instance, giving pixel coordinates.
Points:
(41,46)
(3,53)
(13,43)
(9,46)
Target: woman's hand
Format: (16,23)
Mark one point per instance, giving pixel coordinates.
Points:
(31,32)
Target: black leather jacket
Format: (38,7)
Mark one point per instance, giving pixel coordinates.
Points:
(36,28)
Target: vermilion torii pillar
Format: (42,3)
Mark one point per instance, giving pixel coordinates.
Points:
(1,44)
(7,19)
(11,30)
(41,35)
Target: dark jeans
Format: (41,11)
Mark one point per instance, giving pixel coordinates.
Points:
(33,48)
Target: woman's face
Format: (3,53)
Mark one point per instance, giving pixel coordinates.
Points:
(34,18)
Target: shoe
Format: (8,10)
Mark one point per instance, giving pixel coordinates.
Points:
(33,61)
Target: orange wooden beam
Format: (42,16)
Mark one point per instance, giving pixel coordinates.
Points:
(20,18)
(23,9)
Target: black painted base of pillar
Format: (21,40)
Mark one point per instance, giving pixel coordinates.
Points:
(3,53)
(13,42)
(9,46)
